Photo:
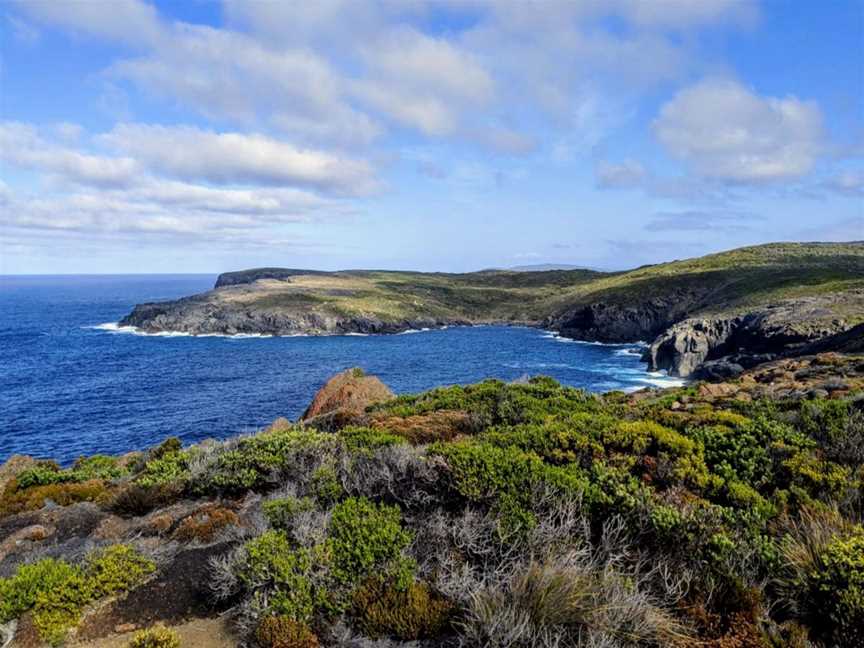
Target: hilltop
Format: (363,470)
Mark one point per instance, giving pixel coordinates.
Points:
(744,306)
(715,515)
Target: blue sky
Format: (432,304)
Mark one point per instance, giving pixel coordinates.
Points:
(202,136)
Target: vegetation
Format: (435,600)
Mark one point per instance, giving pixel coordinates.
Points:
(56,591)
(156,637)
(732,281)
(552,517)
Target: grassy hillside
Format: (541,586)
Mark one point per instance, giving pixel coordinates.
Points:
(718,283)
(498,515)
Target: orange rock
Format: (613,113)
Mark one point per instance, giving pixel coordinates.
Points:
(346,396)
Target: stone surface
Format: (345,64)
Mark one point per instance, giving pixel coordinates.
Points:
(346,396)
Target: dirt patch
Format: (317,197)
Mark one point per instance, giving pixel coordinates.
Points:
(177,593)
(195,633)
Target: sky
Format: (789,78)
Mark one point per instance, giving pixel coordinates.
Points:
(455,135)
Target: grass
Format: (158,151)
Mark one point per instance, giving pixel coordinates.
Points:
(720,283)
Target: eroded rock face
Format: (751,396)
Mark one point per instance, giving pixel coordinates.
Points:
(344,398)
(721,347)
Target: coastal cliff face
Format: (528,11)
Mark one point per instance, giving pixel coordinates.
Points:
(715,315)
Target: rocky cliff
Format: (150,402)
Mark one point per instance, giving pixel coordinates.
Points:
(722,312)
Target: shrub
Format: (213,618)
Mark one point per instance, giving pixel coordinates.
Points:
(16,500)
(256,461)
(326,486)
(271,565)
(284,632)
(42,474)
(367,440)
(167,468)
(117,568)
(56,591)
(382,609)
(156,637)
(836,589)
(204,524)
(364,537)
(280,511)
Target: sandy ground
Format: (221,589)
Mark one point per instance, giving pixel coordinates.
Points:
(197,633)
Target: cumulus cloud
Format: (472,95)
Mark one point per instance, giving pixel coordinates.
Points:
(192,153)
(724,130)
(22,145)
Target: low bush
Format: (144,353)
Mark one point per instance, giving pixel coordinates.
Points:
(381,609)
(270,568)
(284,632)
(204,524)
(366,537)
(16,500)
(281,510)
(156,637)
(56,592)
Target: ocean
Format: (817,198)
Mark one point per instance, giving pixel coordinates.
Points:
(73,383)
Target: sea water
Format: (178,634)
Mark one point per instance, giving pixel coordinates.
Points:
(72,382)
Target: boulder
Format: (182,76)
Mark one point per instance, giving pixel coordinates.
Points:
(344,398)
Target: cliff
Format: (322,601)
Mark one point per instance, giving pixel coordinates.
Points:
(752,303)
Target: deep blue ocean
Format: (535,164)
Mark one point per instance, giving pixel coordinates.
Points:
(70,385)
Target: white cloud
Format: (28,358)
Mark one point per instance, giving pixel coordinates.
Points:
(127,21)
(421,81)
(628,174)
(225,158)
(21,145)
(724,130)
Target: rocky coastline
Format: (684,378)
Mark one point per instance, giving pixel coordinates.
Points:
(698,324)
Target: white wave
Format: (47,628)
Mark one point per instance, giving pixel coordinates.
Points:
(420,330)
(356,334)
(114,327)
(629,352)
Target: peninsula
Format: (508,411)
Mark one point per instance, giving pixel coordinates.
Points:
(711,316)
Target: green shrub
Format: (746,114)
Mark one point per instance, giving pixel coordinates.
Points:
(284,632)
(56,591)
(326,486)
(365,536)
(382,609)
(271,564)
(257,459)
(156,637)
(280,511)
(367,440)
(117,568)
(168,468)
(836,589)
(42,474)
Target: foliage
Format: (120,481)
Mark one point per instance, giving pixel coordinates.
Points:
(279,511)
(835,586)
(284,632)
(365,536)
(156,637)
(57,591)
(408,613)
